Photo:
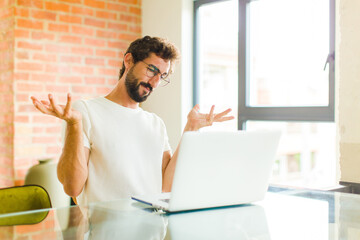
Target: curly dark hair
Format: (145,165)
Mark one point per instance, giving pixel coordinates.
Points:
(142,47)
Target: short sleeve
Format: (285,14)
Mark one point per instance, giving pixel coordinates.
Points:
(81,107)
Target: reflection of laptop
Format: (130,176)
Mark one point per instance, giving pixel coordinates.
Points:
(242,222)
(219,169)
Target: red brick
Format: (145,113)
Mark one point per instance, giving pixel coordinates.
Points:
(135,29)
(6,161)
(135,10)
(44,15)
(108,71)
(6,97)
(22,119)
(31,3)
(53,150)
(46,78)
(118,45)
(26,108)
(82,11)
(22,12)
(7,12)
(45,57)
(56,48)
(70,19)
(128,37)
(56,129)
(94,22)
(19,182)
(28,45)
(21,33)
(71,39)
(57,89)
(21,76)
(117,26)
(42,36)
(57,68)
(24,23)
(82,51)
(46,140)
(6,171)
(94,3)
(82,30)
(82,89)
(29,66)
(71,79)
(58,27)
(72,1)
(95,42)
(53,6)
(106,53)
(106,15)
(22,55)
(22,97)
(82,70)
(115,63)
(106,34)
(130,1)
(70,59)
(130,18)
(95,61)
(103,90)
(95,80)
(117,7)
(29,87)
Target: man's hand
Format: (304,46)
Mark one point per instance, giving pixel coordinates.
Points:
(198,120)
(64,112)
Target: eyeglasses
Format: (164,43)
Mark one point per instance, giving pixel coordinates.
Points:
(152,71)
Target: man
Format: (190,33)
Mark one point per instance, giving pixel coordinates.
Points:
(113,149)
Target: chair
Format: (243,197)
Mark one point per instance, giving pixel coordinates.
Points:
(23,198)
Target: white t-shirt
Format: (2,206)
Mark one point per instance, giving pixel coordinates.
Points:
(126,149)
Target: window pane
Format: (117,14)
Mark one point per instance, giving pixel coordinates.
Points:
(306,154)
(218,53)
(289,44)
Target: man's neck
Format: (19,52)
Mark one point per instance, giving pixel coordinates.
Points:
(120,96)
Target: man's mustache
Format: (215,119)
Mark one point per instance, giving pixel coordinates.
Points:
(147,85)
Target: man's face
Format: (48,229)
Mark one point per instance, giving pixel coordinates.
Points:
(139,83)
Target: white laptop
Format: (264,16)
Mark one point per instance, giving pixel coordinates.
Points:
(216,169)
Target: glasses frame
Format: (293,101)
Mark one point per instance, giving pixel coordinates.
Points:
(152,71)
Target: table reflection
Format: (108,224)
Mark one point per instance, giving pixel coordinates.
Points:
(293,215)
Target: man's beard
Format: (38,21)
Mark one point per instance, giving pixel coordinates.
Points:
(132,87)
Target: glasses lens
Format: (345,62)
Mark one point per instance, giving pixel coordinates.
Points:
(151,72)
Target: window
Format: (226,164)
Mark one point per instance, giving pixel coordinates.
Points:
(272,61)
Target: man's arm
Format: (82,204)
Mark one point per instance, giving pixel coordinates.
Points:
(195,121)
(73,164)
(72,169)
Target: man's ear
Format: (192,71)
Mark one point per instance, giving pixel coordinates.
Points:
(128,60)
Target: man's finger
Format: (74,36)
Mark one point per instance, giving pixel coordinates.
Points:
(68,105)
(223,119)
(55,107)
(220,115)
(41,107)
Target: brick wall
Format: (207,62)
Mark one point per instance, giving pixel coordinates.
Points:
(60,46)
(6,92)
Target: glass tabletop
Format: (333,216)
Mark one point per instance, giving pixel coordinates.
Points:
(289,214)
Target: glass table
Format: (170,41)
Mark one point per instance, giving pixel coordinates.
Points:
(283,215)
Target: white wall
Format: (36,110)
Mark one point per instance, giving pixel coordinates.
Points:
(348,88)
(172,19)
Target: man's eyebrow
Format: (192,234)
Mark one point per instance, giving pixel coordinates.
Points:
(155,68)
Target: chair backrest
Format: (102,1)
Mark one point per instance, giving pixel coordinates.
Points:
(23,198)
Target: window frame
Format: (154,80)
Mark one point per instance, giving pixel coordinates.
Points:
(254,113)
